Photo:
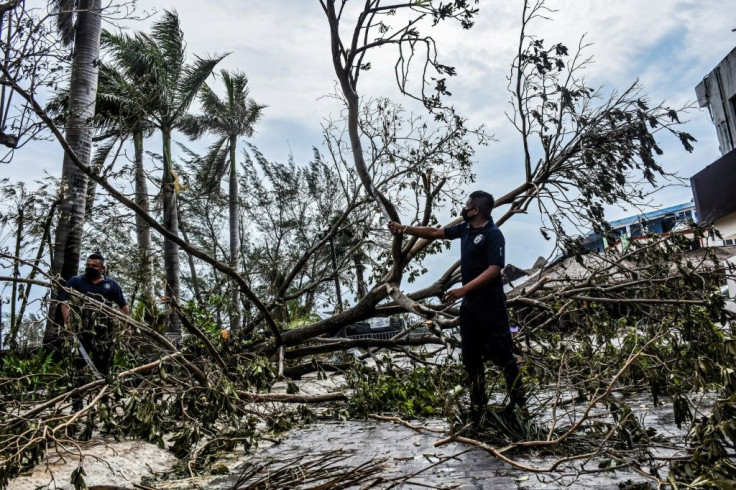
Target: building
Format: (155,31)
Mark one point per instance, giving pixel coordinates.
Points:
(717,92)
(713,187)
(714,192)
(672,219)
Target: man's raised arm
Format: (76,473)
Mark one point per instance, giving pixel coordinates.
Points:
(420,231)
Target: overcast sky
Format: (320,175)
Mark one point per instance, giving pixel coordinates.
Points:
(282,45)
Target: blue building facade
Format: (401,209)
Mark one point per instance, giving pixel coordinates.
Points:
(661,221)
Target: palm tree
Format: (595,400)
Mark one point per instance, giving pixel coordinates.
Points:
(228,118)
(79,23)
(157,61)
(121,116)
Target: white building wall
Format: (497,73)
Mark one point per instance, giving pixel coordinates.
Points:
(731,282)
(727,226)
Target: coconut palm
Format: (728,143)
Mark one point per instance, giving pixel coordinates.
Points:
(229,118)
(121,116)
(79,23)
(157,61)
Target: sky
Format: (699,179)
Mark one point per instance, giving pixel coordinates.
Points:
(283,47)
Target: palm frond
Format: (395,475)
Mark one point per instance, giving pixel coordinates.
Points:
(254,113)
(192,80)
(170,39)
(57,106)
(214,166)
(104,150)
(210,168)
(137,56)
(237,86)
(64,11)
(211,103)
(121,102)
(195,126)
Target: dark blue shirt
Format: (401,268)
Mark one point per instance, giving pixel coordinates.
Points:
(107,291)
(480,248)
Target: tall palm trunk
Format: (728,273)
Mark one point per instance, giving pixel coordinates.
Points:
(235,317)
(171,223)
(142,228)
(82,95)
(192,265)
(16,273)
(89,200)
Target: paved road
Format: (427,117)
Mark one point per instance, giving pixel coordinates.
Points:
(406,452)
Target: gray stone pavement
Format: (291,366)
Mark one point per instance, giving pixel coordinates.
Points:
(407,452)
(400,450)
(404,451)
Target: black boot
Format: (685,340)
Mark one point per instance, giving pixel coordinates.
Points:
(77,404)
(478,397)
(514,385)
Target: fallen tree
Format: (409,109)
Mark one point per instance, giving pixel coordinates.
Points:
(648,320)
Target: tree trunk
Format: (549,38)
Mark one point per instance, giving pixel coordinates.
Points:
(171,224)
(34,271)
(91,194)
(360,276)
(81,110)
(343,70)
(16,273)
(192,267)
(352,99)
(235,316)
(338,292)
(142,228)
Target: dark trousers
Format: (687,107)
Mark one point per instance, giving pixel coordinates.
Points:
(485,335)
(97,336)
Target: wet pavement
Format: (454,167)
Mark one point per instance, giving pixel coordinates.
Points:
(402,457)
(398,456)
(403,452)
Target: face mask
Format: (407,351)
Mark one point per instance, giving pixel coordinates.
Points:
(91,273)
(464,214)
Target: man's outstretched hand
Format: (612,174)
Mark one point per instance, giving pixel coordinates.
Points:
(454,295)
(396,228)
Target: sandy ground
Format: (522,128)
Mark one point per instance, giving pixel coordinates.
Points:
(109,463)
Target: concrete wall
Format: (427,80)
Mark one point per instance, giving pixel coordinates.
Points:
(727,226)
(731,300)
(713,189)
(718,92)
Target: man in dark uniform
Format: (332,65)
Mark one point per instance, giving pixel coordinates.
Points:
(96,332)
(484,324)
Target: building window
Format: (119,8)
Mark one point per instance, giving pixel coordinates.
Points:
(668,222)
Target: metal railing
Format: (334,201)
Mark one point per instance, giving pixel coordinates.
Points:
(375,335)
